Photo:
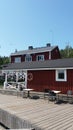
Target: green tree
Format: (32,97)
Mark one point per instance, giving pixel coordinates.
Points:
(4,60)
(67,52)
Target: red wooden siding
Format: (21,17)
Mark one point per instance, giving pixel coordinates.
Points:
(46,79)
(55,54)
(13,58)
(46,56)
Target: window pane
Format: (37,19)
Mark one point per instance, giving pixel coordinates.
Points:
(61,75)
(28,58)
(17,59)
(40,57)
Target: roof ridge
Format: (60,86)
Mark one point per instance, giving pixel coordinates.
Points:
(35,50)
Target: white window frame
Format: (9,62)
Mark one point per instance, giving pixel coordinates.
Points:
(41,58)
(28,58)
(17,59)
(57,74)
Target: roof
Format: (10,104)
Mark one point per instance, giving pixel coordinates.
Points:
(34,50)
(48,64)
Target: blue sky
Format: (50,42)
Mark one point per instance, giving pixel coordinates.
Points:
(35,22)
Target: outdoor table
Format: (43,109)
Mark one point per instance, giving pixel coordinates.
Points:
(55,91)
(57,94)
(28,91)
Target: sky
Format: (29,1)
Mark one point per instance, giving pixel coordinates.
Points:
(35,23)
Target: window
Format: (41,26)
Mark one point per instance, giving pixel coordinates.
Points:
(61,75)
(17,59)
(28,58)
(40,57)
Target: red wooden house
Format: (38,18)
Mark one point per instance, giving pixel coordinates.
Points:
(54,74)
(36,54)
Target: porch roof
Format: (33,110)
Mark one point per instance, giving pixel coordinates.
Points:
(48,64)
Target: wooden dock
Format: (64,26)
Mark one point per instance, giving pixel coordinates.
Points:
(17,112)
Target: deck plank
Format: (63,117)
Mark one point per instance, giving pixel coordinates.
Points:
(39,114)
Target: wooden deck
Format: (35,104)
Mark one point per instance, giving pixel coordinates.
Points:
(18,112)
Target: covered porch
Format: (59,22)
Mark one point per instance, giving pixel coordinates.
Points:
(15,78)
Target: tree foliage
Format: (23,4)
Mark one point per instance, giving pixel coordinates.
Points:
(4,60)
(67,52)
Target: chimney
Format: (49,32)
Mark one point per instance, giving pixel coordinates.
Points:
(48,44)
(15,50)
(30,47)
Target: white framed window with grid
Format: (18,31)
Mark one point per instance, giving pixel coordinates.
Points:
(28,57)
(61,75)
(40,58)
(17,59)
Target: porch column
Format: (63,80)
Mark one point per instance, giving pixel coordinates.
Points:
(6,77)
(25,79)
(5,82)
(16,76)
